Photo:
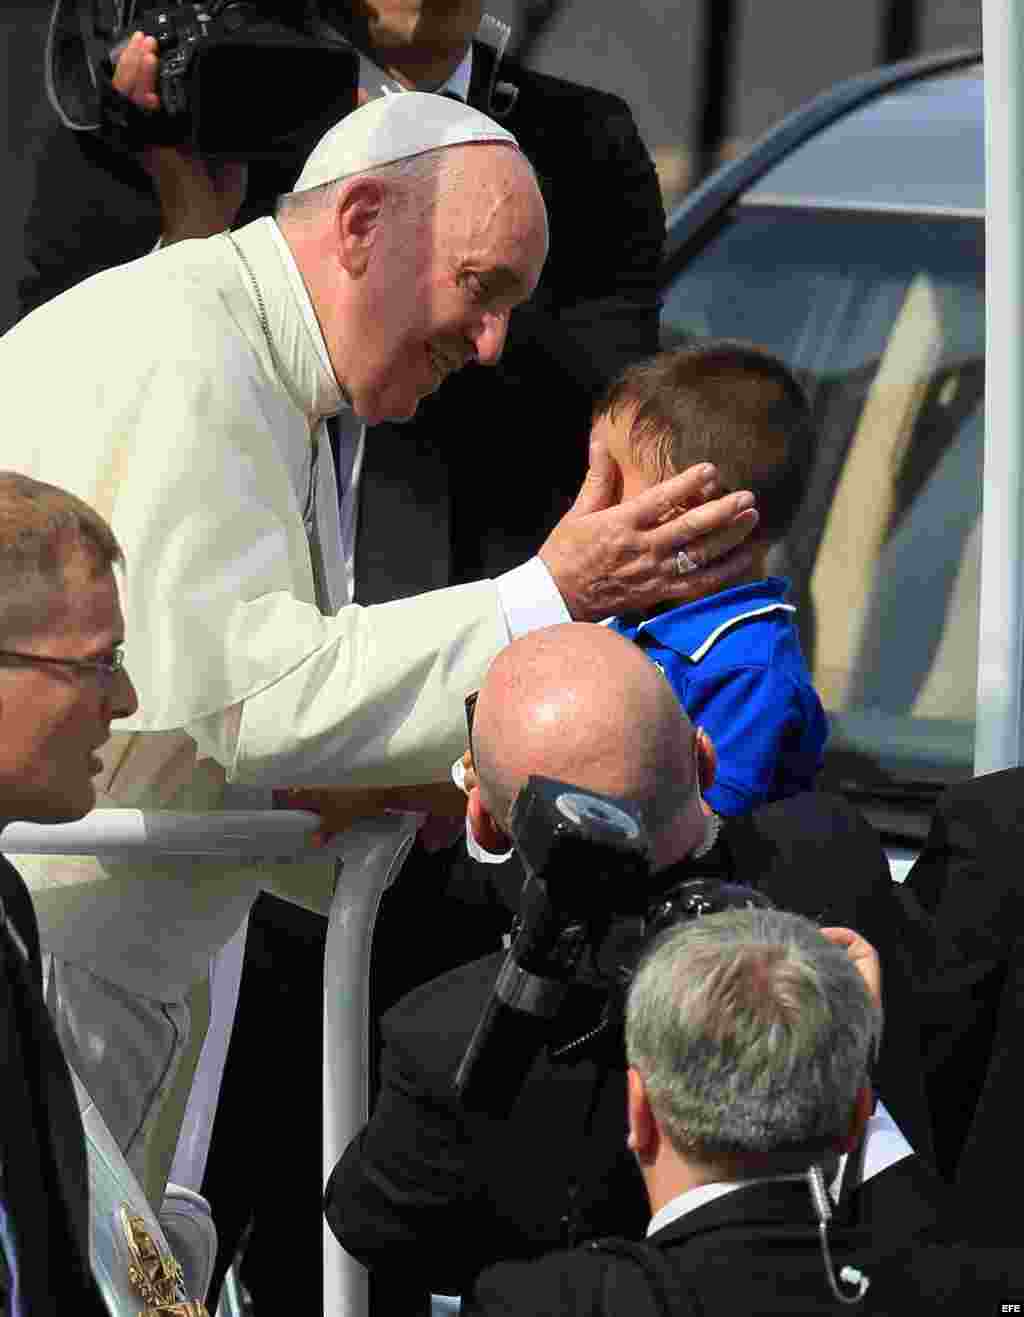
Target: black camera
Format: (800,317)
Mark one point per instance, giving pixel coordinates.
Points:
(588,906)
(239,79)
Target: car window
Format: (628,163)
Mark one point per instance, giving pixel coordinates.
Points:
(882,316)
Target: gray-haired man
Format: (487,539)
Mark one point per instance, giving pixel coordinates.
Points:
(434,1190)
(749,1037)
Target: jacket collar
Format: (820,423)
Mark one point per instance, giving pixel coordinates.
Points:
(757,1203)
(692,629)
(300,354)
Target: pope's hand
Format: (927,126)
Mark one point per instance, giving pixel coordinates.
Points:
(197,197)
(608,557)
(338,807)
(863,955)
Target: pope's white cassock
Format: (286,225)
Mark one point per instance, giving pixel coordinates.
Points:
(159,393)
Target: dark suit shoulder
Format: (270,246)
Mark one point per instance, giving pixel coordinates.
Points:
(575,97)
(1000,793)
(598,177)
(907,1200)
(587,1282)
(90,208)
(18,910)
(586,135)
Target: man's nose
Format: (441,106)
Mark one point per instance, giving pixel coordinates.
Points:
(123,697)
(490,338)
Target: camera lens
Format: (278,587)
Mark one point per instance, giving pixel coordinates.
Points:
(580,808)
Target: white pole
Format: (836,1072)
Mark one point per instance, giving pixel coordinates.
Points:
(1000,716)
(372,853)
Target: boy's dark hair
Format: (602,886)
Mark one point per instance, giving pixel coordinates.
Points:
(727,402)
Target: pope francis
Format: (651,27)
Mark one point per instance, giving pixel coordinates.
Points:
(184,396)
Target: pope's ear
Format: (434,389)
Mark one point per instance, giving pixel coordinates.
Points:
(358,219)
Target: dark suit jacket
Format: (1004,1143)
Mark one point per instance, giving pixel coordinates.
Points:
(966,889)
(817,855)
(44,1181)
(431,1190)
(754,1251)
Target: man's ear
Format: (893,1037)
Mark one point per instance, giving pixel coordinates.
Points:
(863,1106)
(644,1135)
(357,220)
(484,829)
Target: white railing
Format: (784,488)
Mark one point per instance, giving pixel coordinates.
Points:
(370,855)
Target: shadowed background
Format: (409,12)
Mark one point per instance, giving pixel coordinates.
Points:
(703,77)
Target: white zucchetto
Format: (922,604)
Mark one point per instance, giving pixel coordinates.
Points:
(393,128)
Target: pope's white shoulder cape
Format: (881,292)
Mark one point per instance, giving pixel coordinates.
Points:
(151,391)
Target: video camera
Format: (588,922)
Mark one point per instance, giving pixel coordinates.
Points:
(589,905)
(238,79)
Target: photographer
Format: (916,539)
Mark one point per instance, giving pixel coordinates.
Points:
(435,1191)
(749,1038)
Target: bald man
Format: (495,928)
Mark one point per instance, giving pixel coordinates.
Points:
(571,705)
(431,1191)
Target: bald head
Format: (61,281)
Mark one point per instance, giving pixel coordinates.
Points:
(581,704)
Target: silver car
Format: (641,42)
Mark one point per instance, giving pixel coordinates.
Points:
(850,241)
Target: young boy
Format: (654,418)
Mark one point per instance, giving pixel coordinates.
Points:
(734,658)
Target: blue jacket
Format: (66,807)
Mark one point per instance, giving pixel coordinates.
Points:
(734,660)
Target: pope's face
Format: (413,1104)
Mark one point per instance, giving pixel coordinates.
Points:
(53,719)
(443,281)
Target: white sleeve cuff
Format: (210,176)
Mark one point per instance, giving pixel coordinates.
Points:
(530,599)
(884,1144)
(477,852)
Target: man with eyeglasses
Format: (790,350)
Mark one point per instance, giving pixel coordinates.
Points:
(62,683)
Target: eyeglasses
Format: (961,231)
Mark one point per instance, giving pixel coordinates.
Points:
(104,666)
(470,706)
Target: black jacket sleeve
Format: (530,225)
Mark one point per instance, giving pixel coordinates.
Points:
(406,1196)
(601,1280)
(42,1146)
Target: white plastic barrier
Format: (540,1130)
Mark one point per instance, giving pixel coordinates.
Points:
(999,735)
(370,854)
(252,834)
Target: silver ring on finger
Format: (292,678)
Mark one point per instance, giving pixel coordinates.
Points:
(684,563)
